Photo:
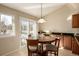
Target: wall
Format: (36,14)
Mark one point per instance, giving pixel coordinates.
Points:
(57,21)
(8,44)
(11,43)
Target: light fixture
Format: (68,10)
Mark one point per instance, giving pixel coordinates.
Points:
(41,20)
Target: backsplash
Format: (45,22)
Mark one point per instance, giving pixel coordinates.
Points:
(75,30)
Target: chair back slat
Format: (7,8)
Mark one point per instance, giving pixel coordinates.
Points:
(32,42)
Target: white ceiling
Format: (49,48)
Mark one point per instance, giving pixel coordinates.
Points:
(35,8)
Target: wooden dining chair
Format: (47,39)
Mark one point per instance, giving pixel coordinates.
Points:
(53,48)
(32,46)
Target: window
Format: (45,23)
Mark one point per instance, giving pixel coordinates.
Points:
(6,24)
(69,18)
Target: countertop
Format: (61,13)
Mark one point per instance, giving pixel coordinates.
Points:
(60,33)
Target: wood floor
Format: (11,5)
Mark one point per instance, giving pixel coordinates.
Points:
(23,52)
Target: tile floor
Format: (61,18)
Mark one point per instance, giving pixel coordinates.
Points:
(24,52)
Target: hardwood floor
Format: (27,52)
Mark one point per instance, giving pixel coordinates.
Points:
(24,52)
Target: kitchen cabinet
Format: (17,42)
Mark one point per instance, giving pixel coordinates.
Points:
(75,47)
(75,21)
(68,42)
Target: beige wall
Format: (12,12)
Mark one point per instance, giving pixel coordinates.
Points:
(57,21)
(8,44)
(11,43)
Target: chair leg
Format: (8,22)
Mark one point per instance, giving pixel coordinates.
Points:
(56,53)
(29,53)
(46,53)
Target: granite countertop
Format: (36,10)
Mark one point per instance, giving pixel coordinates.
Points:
(60,33)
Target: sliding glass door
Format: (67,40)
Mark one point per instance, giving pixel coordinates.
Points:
(27,27)
(24,28)
(33,29)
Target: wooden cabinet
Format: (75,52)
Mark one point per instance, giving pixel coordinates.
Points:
(75,21)
(68,42)
(75,47)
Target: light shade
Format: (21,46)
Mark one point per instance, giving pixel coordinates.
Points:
(41,20)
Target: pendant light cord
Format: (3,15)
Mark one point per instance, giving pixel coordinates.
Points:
(41,20)
(41,10)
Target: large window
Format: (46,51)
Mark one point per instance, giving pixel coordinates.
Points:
(6,24)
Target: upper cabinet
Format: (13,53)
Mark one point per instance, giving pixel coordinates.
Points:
(75,21)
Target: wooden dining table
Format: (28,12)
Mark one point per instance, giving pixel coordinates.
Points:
(45,40)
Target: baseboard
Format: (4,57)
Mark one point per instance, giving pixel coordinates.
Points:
(10,52)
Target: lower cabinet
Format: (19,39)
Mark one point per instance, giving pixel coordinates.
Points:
(75,47)
(71,44)
(68,42)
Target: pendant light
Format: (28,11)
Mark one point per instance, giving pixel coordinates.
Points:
(41,20)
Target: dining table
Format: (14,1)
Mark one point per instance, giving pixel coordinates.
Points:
(43,41)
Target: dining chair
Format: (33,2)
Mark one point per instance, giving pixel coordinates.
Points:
(53,48)
(32,46)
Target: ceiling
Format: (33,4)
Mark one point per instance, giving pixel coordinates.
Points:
(35,8)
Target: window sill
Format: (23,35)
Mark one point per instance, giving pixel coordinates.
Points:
(6,35)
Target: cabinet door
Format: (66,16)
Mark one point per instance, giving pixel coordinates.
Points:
(68,42)
(75,47)
(75,21)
